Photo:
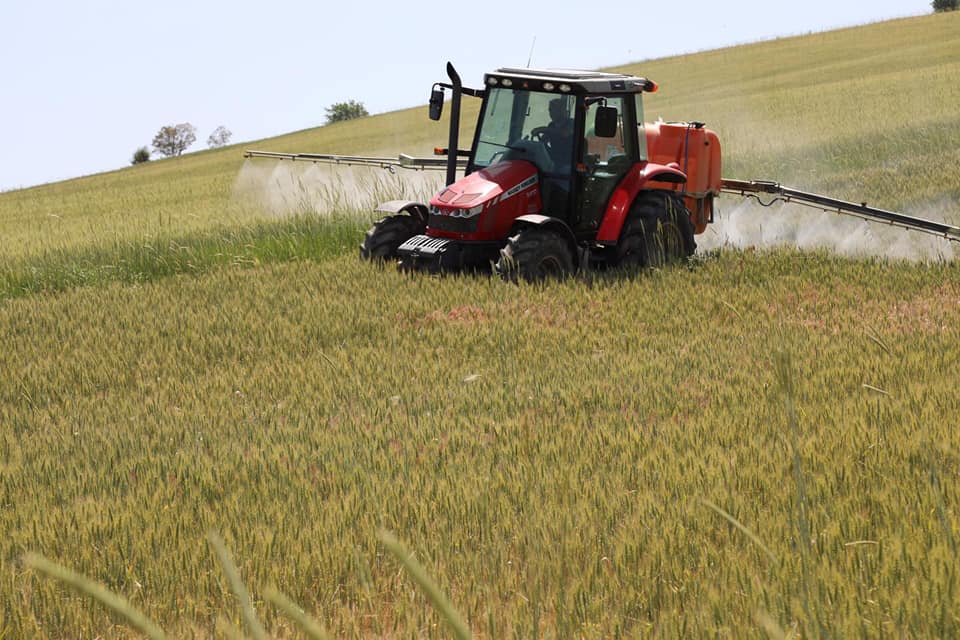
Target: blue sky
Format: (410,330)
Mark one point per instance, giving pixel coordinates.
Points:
(85,84)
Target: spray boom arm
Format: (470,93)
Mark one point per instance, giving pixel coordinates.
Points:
(755,188)
(403,161)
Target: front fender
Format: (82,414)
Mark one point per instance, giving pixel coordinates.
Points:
(415,209)
(536,220)
(554,224)
(626,192)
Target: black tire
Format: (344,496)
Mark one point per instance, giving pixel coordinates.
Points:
(535,254)
(385,237)
(635,247)
(657,232)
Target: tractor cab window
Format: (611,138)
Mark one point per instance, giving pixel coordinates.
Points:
(494,135)
(525,125)
(557,133)
(601,152)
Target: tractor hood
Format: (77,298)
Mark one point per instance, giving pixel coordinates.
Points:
(497,182)
(483,204)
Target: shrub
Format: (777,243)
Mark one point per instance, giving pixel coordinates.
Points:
(348,110)
(140,155)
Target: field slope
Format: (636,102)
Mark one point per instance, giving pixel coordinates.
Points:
(760,442)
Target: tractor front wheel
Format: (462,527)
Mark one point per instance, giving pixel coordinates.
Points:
(534,255)
(385,237)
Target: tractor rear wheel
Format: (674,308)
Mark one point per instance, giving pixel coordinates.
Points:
(535,254)
(385,237)
(657,232)
(635,246)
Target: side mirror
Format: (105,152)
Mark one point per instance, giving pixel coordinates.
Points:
(605,124)
(436,104)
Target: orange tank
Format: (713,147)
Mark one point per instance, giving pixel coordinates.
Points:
(696,151)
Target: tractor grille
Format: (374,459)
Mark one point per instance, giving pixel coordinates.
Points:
(454,224)
(424,246)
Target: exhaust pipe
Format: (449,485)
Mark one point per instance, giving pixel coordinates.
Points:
(454,141)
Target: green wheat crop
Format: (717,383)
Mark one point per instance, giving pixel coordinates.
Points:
(760,443)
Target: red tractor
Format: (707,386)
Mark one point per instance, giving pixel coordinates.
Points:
(562,174)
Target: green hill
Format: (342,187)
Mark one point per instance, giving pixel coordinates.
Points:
(759,443)
(866,113)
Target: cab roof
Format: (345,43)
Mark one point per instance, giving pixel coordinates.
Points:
(568,81)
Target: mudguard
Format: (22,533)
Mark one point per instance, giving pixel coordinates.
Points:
(626,192)
(415,209)
(555,224)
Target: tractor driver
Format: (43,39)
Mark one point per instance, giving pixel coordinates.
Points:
(558,135)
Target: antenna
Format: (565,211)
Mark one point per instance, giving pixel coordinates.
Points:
(532,45)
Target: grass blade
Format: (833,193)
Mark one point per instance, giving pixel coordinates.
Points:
(430,588)
(787,385)
(295,612)
(729,518)
(112,601)
(236,584)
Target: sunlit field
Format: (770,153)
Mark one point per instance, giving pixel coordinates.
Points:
(546,451)
(761,443)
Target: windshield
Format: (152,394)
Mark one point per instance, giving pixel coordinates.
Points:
(526,125)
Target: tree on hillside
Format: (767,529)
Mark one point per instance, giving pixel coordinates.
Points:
(945,5)
(219,138)
(141,155)
(348,110)
(173,140)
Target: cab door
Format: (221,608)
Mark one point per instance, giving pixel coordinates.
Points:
(604,161)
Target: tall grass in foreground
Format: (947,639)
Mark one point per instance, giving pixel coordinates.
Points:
(547,450)
(785,379)
(115,603)
(311,628)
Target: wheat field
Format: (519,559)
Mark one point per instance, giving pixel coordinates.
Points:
(761,443)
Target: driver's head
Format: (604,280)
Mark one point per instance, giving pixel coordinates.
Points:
(558,110)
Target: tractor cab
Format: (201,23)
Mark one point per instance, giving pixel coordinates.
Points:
(581,130)
(557,178)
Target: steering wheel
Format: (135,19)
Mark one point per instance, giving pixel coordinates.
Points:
(541,134)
